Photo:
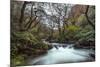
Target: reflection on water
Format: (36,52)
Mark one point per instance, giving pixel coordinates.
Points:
(59,54)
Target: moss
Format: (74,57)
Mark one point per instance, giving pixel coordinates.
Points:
(25,36)
(73,28)
(18,60)
(82,18)
(25,44)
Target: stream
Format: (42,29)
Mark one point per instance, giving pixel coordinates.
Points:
(63,53)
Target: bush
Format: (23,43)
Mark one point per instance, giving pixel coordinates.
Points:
(72,30)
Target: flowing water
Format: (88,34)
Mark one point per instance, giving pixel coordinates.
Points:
(60,54)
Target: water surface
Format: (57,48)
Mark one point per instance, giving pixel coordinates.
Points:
(60,54)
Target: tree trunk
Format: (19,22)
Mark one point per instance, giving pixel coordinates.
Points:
(22,16)
(86,14)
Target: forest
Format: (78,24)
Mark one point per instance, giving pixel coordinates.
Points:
(36,26)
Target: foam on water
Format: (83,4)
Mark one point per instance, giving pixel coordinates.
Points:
(62,55)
